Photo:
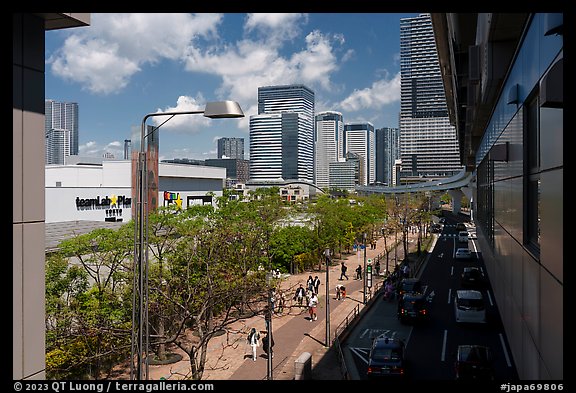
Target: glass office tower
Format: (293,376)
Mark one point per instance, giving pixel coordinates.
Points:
(428,142)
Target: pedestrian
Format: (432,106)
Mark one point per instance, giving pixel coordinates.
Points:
(310,283)
(309,293)
(281,302)
(359,272)
(254,341)
(273,299)
(299,295)
(343,269)
(377,267)
(343,292)
(316,284)
(406,270)
(312,304)
(338,292)
(265,345)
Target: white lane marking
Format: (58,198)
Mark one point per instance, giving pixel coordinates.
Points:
(443,357)
(360,352)
(505,351)
(489,298)
(452,271)
(449,295)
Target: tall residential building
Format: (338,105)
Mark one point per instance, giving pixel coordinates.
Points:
(359,138)
(282,134)
(328,145)
(62,116)
(57,146)
(428,142)
(387,152)
(231,148)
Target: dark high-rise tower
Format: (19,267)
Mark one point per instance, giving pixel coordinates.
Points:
(428,143)
(231,148)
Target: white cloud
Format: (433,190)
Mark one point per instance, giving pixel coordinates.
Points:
(276,27)
(103,56)
(381,93)
(186,123)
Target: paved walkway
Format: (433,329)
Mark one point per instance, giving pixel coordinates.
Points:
(229,356)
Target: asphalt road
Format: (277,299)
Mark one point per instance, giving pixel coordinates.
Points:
(431,346)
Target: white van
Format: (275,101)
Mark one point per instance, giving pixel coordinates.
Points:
(463,236)
(469,306)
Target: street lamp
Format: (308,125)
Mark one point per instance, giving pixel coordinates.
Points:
(140,333)
(364,270)
(327,255)
(268,320)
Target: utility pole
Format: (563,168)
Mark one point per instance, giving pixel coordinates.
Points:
(327,255)
(364,269)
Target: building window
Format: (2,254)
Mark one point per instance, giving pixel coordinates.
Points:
(532,175)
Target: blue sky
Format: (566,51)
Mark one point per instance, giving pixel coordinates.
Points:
(124,66)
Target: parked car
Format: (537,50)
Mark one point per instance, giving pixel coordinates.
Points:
(469,306)
(463,253)
(412,307)
(386,358)
(472,277)
(474,362)
(409,285)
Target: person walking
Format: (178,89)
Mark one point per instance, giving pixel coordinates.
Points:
(343,269)
(316,284)
(312,304)
(377,268)
(310,283)
(254,341)
(359,272)
(339,292)
(281,302)
(299,295)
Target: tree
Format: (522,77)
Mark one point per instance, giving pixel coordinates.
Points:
(88,310)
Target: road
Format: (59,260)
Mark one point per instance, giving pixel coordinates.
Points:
(431,346)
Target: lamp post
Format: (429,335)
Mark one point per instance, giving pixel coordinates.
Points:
(364,269)
(140,333)
(327,255)
(268,319)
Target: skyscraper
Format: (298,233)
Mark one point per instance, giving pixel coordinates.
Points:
(359,138)
(57,146)
(428,143)
(231,148)
(387,152)
(62,116)
(328,145)
(282,134)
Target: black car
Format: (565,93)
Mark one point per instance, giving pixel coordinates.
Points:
(409,285)
(386,358)
(460,227)
(472,277)
(435,228)
(474,362)
(412,307)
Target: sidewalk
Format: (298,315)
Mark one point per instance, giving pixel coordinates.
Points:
(293,332)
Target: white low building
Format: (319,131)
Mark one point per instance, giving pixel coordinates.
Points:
(88,192)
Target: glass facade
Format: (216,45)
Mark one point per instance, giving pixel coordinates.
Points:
(282,134)
(328,145)
(519,203)
(428,143)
